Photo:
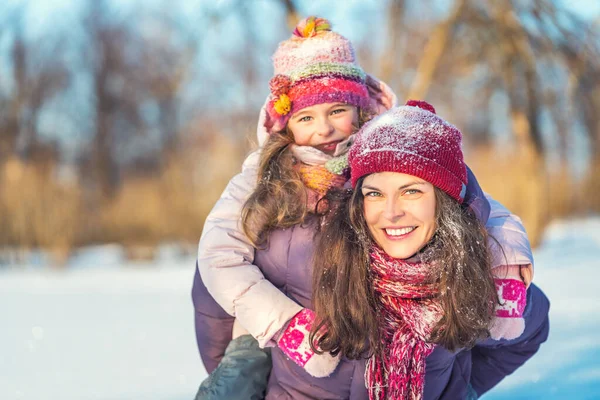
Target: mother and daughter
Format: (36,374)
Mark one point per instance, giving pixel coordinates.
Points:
(356,256)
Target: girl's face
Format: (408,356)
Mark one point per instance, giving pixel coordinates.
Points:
(400,212)
(323,126)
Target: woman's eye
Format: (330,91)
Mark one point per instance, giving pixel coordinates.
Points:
(372,194)
(412,191)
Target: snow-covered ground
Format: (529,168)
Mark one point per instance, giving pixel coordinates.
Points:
(101,329)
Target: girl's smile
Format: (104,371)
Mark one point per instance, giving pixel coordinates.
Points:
(329,147)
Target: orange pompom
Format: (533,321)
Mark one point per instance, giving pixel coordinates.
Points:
(282,105)
(311,26)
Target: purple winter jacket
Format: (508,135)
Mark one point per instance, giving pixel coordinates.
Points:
(286,263)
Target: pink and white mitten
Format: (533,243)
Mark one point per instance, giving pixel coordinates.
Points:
(508,322)
(295,343)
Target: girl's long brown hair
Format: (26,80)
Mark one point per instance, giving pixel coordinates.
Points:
(280,197)
(343,296)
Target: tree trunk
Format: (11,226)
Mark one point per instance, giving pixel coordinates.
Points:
(433,52)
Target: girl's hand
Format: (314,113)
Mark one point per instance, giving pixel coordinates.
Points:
(527,274)
(294,342)
(511,288)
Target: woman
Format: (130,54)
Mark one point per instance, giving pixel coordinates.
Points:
(403,274)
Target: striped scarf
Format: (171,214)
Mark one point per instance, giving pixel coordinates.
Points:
(319,171)
(319,178)
(409,311)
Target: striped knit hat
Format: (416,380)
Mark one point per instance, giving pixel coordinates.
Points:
(314,66)
(412,140)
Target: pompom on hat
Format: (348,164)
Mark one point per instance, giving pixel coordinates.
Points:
(412,140)
(314,66)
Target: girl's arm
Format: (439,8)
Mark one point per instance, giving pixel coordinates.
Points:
(225,263)
(511,245)
(493,360)
(512,267)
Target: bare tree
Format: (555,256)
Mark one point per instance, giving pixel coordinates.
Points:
(116,97)
(39,74)
(291,12)
(523,51)
(390,64)
(433,52)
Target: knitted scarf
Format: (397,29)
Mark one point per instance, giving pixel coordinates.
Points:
(409,311)
(320,172)
(318,180)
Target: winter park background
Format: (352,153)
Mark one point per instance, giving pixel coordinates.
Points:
(122,120)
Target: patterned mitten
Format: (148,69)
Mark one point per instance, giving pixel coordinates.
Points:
(295,343)
(508,322)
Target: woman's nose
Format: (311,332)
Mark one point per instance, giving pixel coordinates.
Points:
(393,209)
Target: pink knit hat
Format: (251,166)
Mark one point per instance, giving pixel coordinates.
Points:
(412,140)
(314,66)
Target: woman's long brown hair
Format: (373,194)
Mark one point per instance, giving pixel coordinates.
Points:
(343,296)
(280,197)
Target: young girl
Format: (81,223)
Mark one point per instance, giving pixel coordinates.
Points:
(259,269)
(319,98)
(403,269)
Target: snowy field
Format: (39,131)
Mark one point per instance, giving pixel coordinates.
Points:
(101,329)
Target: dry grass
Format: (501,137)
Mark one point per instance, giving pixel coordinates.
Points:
(591,188)
(172,206)
(526,187)
(37,210)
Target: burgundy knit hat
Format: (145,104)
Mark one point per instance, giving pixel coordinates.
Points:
(314,66)
(412,140)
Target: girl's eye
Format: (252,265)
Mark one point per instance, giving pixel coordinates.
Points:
(338,111)
(305,119)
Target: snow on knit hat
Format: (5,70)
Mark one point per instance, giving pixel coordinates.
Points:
(411,140)
(314,66)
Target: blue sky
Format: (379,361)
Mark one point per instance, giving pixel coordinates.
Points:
(42,14)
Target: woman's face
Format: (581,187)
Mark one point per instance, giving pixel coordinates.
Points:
(323,126)
(400,212)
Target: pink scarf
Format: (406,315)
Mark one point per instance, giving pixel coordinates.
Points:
(409,311)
